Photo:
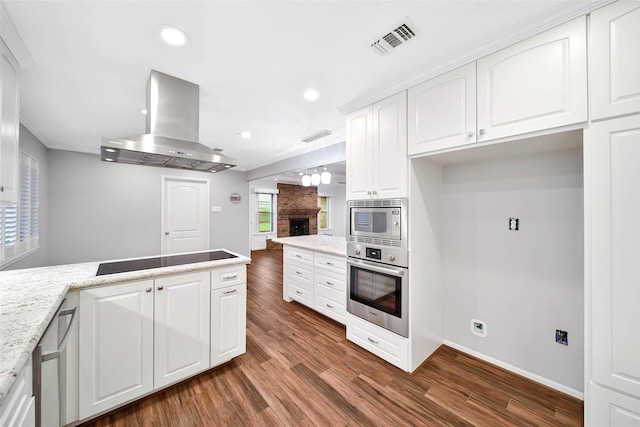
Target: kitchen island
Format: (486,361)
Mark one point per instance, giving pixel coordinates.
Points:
(314,273)
(29,299)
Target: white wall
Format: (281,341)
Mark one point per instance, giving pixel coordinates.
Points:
(100,211)
(524,284)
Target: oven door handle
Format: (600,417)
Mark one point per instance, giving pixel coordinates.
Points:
(373,267)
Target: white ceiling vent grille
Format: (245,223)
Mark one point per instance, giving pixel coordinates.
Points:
(401,34)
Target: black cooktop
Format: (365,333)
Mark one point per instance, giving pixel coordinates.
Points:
(162,261)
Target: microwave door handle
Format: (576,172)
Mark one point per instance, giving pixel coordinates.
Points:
(376,268)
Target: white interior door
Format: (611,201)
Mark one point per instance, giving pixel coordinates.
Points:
(185,215)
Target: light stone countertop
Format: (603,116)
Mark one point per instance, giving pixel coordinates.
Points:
(332,245)
(30,297)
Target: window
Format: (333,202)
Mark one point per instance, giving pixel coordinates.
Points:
(325,212)
(19,224)
(265,212)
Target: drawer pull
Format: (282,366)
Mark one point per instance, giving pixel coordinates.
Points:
(298,292)
(330,263)
(230,292)
(371,340)
(297,272)
(298,256)
(330,306)
(149,289)
(230,276)
(329,283)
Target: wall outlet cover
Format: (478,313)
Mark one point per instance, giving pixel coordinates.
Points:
(562,337)
(478,328)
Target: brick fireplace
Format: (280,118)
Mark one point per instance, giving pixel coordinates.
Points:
(296,202)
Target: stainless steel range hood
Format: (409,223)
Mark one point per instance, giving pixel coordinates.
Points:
(172,126)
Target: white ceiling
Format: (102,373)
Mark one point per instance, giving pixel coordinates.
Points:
(86,63)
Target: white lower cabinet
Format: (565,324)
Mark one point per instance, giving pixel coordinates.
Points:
(609,408)
(383,343)
(317,280)
(18,408)
(330,286)
(140,336)
(228,323)
(181,319)
(228,313)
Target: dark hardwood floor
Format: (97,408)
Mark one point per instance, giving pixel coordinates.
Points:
(300,370)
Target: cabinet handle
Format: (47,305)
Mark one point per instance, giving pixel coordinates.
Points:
(481,131)
(298,292)
(297,272)
(160,287)
(330,306)
(2,189)
(374,192)
(148,289)
(329,263)
(372,340)
(369,192)
(229,276)
(469,134)
(166,233)
(329,283)
(298,256)
(230,292)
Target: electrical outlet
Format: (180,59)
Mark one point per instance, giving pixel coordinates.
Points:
(478,328)
(514,224)
(562,337)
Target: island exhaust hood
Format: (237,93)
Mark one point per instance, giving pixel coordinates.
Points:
(172,126)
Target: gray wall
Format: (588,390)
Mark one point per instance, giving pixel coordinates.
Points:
(100,211)
(524,284)
(33,147)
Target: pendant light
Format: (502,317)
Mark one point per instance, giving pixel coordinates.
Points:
(325,177)
(306,179)
(315,178)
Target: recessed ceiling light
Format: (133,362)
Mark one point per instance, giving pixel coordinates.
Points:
(173,35)
(245,134)
(311,94)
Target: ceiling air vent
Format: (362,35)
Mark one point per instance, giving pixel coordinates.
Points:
(394,38)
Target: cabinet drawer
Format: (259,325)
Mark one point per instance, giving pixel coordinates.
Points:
(385,344)
(338,296)
(18,406)
(298,271)
(331,262)
(299,255)
(331,280)
(330,308)
(301,294)
(228,276)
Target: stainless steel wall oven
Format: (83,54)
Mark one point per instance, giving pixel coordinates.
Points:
(377,276)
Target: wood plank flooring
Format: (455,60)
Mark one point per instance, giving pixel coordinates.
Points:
(299,370)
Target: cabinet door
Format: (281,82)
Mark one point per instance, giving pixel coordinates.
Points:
(615,60)
(360,154)
(116,345)
(615,147)
(608,408)
(181,345)
(390,147)
(540,83)
(442,111)
(10,126)
(228,323)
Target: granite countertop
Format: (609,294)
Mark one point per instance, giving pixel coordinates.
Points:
(29,298)
(317,242)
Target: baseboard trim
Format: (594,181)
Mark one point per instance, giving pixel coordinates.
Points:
(537,378)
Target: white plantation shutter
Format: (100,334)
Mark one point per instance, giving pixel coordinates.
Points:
(19,224)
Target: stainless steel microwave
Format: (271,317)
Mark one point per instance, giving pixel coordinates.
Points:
(374,220)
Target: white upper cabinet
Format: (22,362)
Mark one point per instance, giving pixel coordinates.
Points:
(10,126)
(615,270)
(615,60)
(540,83)
(377,150)
(442,111)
